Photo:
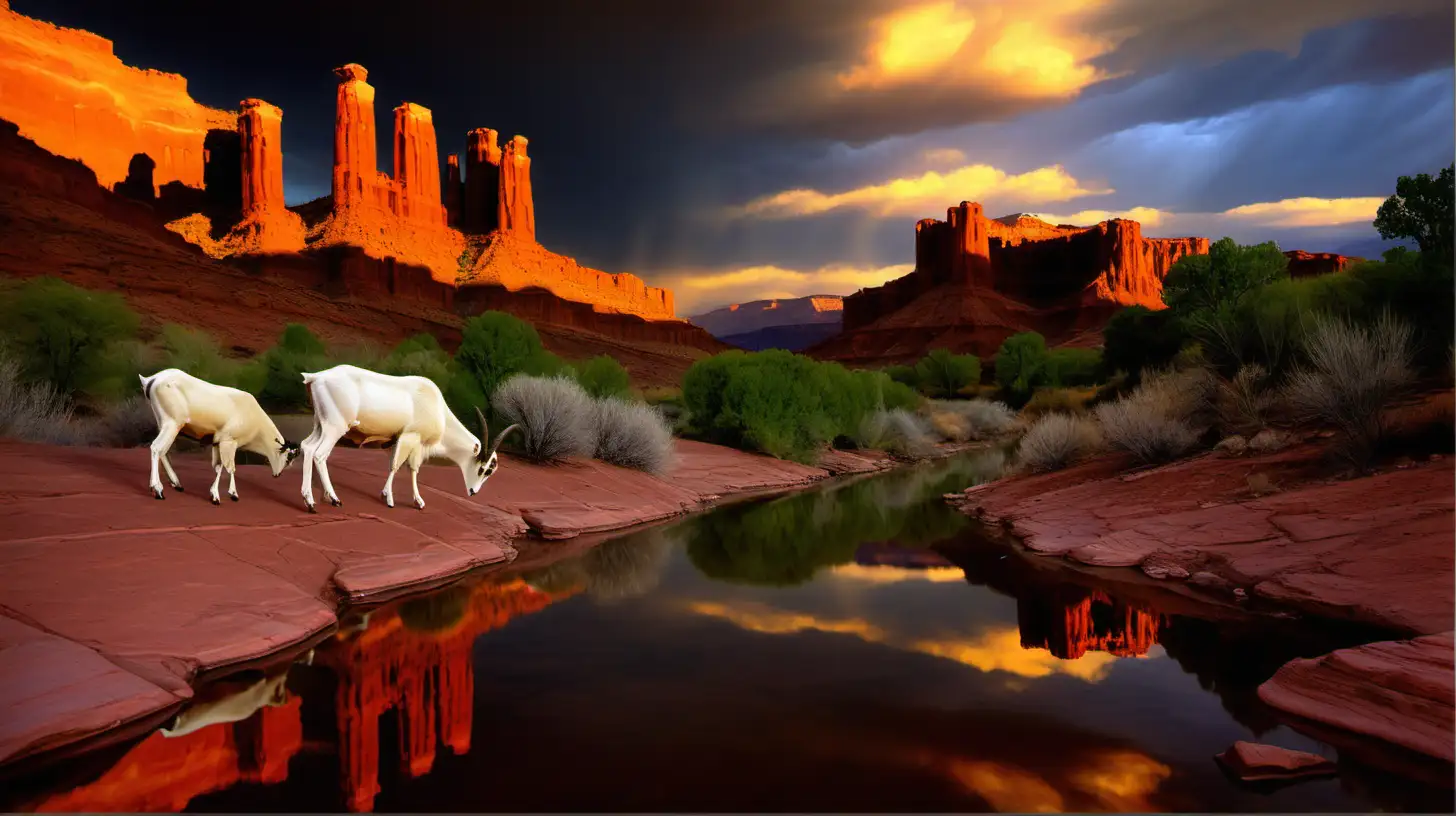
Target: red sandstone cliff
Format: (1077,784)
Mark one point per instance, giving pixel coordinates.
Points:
(512,261)
(73,96)
(1308,264)
(977,281)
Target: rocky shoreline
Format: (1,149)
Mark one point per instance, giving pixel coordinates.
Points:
(1271,531)
(113,606)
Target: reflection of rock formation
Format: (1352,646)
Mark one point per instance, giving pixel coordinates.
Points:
(1073,622)
(163,774)
(889,555)
(415,659)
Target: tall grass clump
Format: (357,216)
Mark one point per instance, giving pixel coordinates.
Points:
(1245,402)
(972,420)
(897,431)
(631,435)
(1058,440)
(554,413)
(33,412)
(1353,373)
(1160,420)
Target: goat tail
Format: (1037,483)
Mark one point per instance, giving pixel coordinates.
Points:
(309,378)
(147,385)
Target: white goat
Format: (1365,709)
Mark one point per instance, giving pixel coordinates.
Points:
(226,418)
(406,413)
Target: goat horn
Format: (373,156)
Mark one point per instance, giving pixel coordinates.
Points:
(484,426)
(495,445)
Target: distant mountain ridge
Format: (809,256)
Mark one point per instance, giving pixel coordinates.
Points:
(742,318)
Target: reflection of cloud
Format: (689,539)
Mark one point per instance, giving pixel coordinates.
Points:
(1122,780)
(1007,789)
(998,649)
(928,193)
(694,290)
(893,575)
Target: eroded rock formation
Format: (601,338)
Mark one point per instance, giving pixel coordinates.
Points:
(1308,264)
(513,261)
(480,213)
(416,165)
(70,93)
(979,280)
(267,226)
(355,164)
(454,189)
(517,210)
(1073,622)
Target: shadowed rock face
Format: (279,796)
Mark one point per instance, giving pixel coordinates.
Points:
(978,280)
(1309,264)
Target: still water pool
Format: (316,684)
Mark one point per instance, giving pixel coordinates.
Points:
(853,648)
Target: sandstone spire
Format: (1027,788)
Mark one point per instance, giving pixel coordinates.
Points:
(417,164)
(517,212)
(453,190)
(482,181)
(355,166)
(260,126)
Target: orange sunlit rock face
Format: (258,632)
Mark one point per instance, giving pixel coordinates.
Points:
(1070,627)
(978,280)
(416,165)
(1308,264)
(517,210)
(70,94)
(267,224)
(514,262)
(427,677)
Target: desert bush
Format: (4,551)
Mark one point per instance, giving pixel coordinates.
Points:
(495,346)
(275,377)
(903,374)
(603,376)
(1058,400)
(1021,363)
(1161,419)
(1245,401)
(975,419)
(631,435)
(896,431)
(1417,292)
(34,412)
(126,424)
(942,374)
(1138,338)
(80,342)
(1353,374)
(554,413)
(197,353)
(421,356)
(1058,440)
(1073,367)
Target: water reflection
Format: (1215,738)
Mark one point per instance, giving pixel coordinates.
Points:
(853,648)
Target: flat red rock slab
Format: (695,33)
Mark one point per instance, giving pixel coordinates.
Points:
(1255,762)
(55,692)
(1375,550)
(1400,692)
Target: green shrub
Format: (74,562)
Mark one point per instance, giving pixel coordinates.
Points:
(34,412)
(1418,293)
(494,346)
(80,342)
(942,374)
(275,377)
(1138,338)
(903,374)
(603,376)
(1021,362)
(1072,367)
(421,356)
(1199,284)
(197,353)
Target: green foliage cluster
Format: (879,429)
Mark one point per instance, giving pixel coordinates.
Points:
(602,376)
(1138,339)
(275,376)
(1024,364)
(781,403)
(939,374)
(82,343)
(1423,209)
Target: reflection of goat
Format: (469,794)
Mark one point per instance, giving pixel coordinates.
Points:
(227,418)
(230,708)
(408,413)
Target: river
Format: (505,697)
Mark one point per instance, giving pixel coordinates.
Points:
(856,647)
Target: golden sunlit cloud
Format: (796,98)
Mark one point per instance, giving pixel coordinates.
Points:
(1031,49)
(928,193)
(944,156)
(1309,212)
(998,649)
(1147,216)
(695,290)
(896,575)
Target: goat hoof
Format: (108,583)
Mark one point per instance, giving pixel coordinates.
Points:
(336,502)
(420,505)
(177,488)
(216,501)
(311,508)
(233,496)
(157,494)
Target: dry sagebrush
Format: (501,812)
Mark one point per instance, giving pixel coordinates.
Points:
(1161,420)
(631,435)
(897,431)
(554,413)
(972,420)
(1058,440)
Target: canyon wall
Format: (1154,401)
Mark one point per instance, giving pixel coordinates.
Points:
(514,262)
(979,280)
(1308,264)
(267,226)
(70,93)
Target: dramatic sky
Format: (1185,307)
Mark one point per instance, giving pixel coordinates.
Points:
(755,148)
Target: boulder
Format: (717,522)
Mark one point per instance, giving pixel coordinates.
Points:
(1255,762)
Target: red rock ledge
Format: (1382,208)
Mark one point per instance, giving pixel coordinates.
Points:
(112,603)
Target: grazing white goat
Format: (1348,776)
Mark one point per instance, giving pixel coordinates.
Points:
(406,413)
(222,707)
(225,418)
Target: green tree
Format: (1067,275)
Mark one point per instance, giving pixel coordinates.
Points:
(941,373)
(496,345)
(602,376)
(1138,338)
(1207,284)
(421,356)
(1021,362)
(75,339)
(1422,209)
(1072,367)
(276,375)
